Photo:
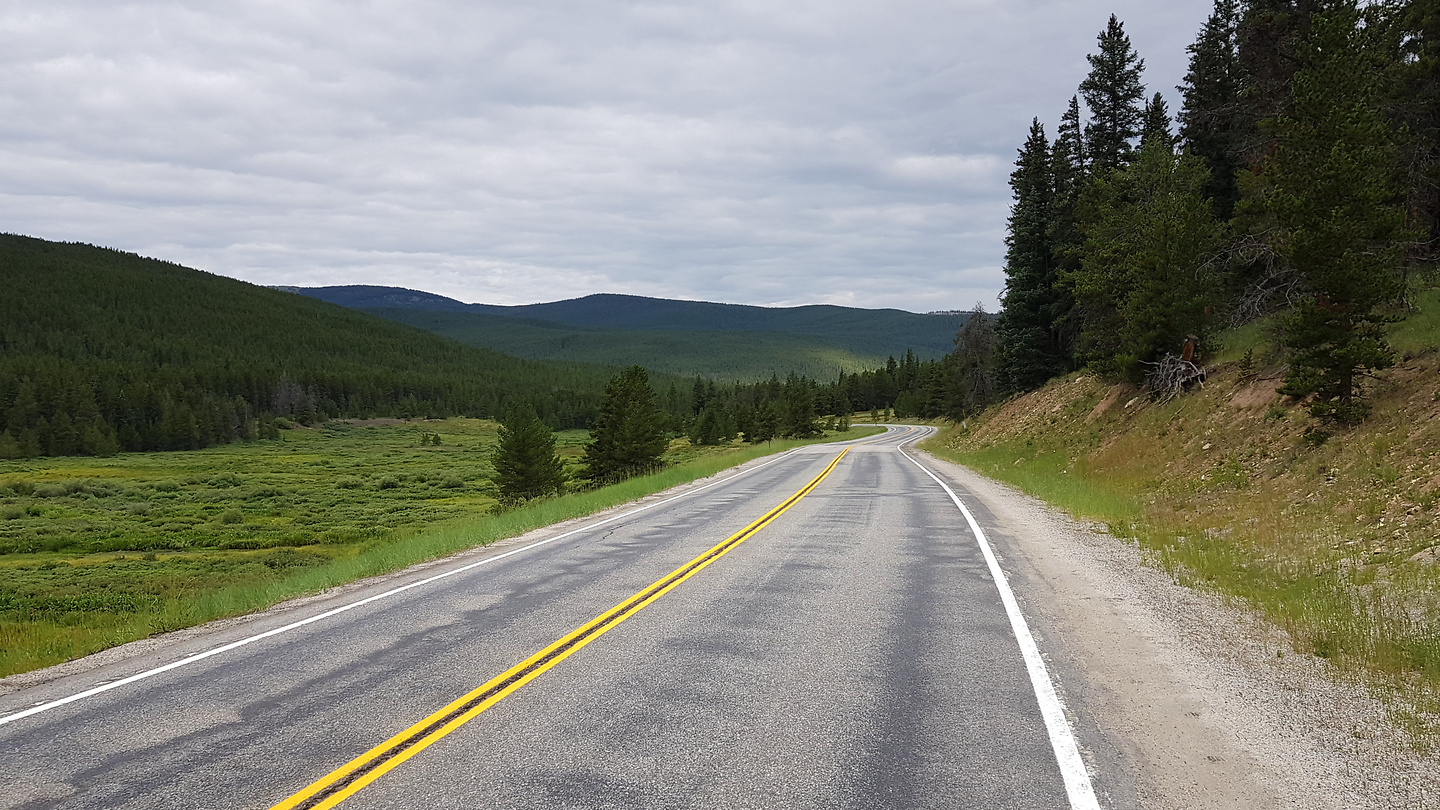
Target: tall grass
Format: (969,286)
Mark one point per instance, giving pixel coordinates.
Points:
(27,645)
(1289,557)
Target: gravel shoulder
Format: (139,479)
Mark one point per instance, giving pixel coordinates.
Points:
(1198,702)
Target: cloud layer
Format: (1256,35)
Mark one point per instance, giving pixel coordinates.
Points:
(730,150)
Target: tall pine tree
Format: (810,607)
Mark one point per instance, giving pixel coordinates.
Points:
(1266,43)
(1030,353)
(1114,95)
(1210,115)
(971,382)
(1333,204)
(1415,97)
(628,434)
(1068,176)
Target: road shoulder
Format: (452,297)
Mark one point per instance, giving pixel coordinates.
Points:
(1195,702)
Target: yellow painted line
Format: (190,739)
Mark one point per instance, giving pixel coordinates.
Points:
(346,780)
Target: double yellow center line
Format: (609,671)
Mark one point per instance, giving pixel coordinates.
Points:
(345,781)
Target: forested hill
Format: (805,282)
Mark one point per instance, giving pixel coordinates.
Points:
(726,341)
(102,350)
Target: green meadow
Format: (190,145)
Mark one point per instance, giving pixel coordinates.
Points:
(96,552)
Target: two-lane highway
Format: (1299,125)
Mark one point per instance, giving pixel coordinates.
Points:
(824,629)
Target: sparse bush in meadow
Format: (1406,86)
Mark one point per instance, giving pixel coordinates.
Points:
(51,491)
(230,517)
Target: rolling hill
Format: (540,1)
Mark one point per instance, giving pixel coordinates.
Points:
(726,341)
(102,350)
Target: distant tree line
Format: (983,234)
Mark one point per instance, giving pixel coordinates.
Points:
(1302,186)
(956,385)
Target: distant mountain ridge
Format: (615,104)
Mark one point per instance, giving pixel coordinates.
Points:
(364,296)
(617,311)
(727,341)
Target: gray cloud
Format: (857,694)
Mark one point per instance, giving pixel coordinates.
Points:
(755,152)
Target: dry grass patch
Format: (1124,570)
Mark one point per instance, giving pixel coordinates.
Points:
(1331,534)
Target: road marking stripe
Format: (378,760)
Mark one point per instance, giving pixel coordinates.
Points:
(346,780)
(197,657)
(1062,738)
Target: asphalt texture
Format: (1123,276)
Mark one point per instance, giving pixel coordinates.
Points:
(854,653)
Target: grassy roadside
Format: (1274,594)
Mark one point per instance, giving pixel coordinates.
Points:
(73,598)
(1333,538)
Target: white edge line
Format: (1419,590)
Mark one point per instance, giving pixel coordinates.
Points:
(1062,738)
(195,657)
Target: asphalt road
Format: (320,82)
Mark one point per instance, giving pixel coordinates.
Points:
(853,652)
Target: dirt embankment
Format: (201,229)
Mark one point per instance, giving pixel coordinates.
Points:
(1328,535)
(1197,701)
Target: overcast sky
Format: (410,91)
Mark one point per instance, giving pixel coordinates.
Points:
(747,151)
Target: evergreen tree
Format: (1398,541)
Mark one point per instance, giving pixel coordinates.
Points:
(714,425)
(1029,353)
(1333,204)
(767,424)
(1069,176)
(1114,95)
(1148,272)
(1156,124)
(1414,95)
(1210,117)
(526,464)
(799,405)
(1266,38)
(628,434)
(973,383)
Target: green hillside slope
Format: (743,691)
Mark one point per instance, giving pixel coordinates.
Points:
(1330,531)
(721,354)
(103,350)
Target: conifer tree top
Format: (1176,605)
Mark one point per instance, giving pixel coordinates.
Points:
(1114,94)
